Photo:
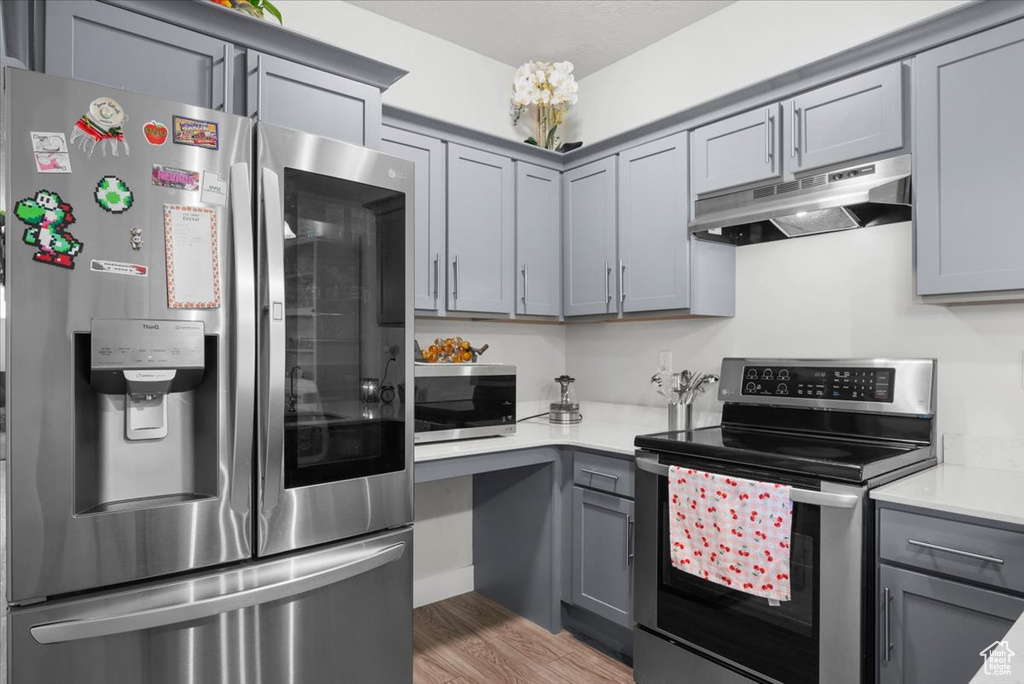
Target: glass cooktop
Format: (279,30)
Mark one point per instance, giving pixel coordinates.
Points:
(826,458)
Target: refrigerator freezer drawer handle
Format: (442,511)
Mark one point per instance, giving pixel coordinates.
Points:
(245,336)
(650,464)
(137,621)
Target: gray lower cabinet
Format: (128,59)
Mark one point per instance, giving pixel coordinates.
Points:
(481,231)
(602,555)
(293,95)
(538,240)
(588,229)
(857,117)
(654,255)
(937,628)
(969,164)
(92,41)
(741,149)
(427,154)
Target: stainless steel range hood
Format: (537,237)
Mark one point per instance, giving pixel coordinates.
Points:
(840,199)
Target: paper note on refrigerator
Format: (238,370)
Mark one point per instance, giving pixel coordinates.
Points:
(193,262)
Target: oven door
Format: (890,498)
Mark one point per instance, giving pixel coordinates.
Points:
(818,636)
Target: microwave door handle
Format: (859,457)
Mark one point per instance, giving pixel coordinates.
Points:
(244,368)
(650,464)
(273,379)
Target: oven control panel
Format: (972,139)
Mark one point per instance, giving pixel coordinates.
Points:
(808,382)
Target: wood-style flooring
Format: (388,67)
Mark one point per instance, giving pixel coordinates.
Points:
(469,639)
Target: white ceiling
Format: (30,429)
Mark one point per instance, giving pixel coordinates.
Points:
(589,33)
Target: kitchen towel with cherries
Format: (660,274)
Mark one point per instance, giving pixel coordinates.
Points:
(731,531)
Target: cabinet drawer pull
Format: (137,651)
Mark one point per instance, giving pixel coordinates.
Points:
(622,280)
(437,258)
(629,540)
(455,277)
(526,285)
(598,472)
(956,552)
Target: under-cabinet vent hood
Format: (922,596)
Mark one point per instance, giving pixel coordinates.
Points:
(852,197)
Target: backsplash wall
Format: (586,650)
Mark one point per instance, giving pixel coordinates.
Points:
(841,295)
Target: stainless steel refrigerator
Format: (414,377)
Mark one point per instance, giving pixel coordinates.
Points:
(209,467)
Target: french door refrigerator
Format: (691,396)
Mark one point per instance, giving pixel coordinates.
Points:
(196,489)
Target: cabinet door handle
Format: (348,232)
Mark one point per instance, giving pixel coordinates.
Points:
(437,259)
(607,282)
(886,599)
(622,280)
(455,279)
(629,540)
(259,87)
(795,133)
(956,552)
(588,471)
(526,285)
(767,136)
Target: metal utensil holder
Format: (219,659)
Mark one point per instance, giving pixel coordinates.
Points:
(680,416)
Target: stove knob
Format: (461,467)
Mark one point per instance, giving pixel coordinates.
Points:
(752,374)
(783,374)
(782,389)
(751,387)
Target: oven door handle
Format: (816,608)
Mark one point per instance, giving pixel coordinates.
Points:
(651,464)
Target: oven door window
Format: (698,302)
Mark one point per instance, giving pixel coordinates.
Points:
(344,269)
(780,642)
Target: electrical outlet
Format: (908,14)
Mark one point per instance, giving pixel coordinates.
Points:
(665,361)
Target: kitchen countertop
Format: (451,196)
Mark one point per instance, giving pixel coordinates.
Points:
(605,427)
(987,493)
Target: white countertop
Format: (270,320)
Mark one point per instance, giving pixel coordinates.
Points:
(987,493)
(605,427)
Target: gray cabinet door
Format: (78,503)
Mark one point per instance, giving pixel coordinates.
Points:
(588,239)
(481,231)
(602,555)
(735,151)
(654,254)
(969,164)
(427,154)
(538,240)
(92,41)
(937,628)
(296,96)
(856,117)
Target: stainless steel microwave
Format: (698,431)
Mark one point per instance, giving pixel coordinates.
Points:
(464,401)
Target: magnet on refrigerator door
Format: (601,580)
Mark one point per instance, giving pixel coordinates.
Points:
(113,195)
(214,189)
(103,124)
(47,217)
(176,179)
(118,268)
(52,162)
(155,133)
(48,142)
(195,132)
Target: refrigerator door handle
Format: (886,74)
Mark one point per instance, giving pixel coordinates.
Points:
(244,336)
(137,621)
(273,418)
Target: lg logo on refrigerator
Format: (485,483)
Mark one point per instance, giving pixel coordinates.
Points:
(396,174)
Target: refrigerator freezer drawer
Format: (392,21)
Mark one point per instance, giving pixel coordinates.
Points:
(341,613)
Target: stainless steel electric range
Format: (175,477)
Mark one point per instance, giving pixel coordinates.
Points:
(832,430)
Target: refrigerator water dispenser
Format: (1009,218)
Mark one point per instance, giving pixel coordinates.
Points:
(146,407)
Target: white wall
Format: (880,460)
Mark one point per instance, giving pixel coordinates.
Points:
(846,294)
(445,81)
(745,43)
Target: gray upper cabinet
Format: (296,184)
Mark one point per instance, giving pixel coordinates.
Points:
(654,256)
(111,46)
(427,154)
(538,240)
(937,629)
(481,231)
(857,117)
(735,151)
(588,229)
(969,164)
(602,555)
(296,96)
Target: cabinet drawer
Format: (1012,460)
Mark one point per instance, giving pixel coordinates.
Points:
(912,539)
(609,474)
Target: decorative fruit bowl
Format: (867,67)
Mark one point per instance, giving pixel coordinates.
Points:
(449,350)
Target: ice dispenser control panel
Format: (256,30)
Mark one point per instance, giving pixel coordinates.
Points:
(846,384)
(119,345)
